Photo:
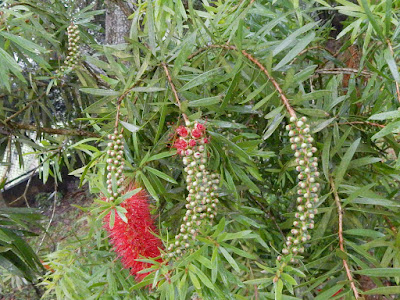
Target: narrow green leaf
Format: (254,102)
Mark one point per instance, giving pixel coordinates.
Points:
(132,128)
(378,29)
(230,259)
(392,65)
(348,156)
(201,79)
(387,290)
(194,280)
(300,46)
(205,102)
(391,127)
(380,272)
(204,279)
(160,174)
(99,92)
(278,287)
(386,115)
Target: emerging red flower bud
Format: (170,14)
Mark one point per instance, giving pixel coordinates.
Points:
(182,131)
(135,239)
(196,133)
(206,140)
(180,145)
(192,143)
(200,127)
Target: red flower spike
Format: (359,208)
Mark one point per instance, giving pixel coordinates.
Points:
(182,131)
(192,143)
(135,239)
(196,133)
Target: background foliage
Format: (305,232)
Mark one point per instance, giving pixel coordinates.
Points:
(347,87)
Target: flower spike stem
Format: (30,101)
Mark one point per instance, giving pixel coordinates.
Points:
(307,196)
(202,185)
(72,59)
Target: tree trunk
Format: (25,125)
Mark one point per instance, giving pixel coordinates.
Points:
(117,24)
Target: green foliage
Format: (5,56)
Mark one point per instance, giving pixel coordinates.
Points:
(16,255)
(354,119)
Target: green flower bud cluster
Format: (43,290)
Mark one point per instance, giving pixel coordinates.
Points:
(73,49)
(115,166)
(202,186)
(307,193)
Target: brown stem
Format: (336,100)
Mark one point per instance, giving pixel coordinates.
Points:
(341,239)
(397,84)
(6,128)
(174,91)
(256,62)
(22,109)
(392,227)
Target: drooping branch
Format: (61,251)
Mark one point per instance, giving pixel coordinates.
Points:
(341,239)
(9,126)
(21,110)
(178,102)
(259,65)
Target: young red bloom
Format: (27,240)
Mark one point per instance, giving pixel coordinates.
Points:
(182,131)
(180,145)
(135,239)
(192,143)
(206,140)
(196,133)
(200,127)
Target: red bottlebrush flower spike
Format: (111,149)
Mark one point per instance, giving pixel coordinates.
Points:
(135,239)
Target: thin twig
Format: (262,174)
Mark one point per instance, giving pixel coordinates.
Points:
(174,91)
(22,109)
(397,84)
(392,227)
(53,212)
(341,240)
(256,62)
(61,131)
(343,71)
(27,186)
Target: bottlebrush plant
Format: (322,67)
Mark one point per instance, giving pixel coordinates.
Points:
(302,129)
